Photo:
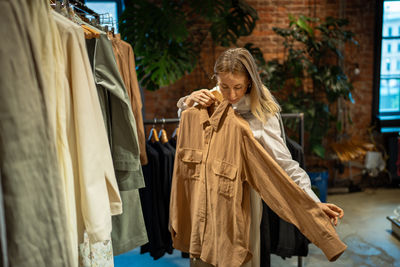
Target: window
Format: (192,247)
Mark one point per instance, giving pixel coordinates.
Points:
(109,11)
(389,77)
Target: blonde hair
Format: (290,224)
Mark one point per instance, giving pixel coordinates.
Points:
(239,60)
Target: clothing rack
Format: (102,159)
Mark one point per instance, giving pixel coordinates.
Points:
(301,125)
(81,7)
(301,143)
(283,115)
(161,121)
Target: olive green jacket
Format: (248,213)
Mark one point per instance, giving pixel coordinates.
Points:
(128,229)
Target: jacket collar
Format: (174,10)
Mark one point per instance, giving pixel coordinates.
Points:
(216,117)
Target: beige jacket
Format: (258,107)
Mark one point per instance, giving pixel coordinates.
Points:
(217,161)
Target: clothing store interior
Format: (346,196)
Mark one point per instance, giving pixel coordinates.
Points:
(226,133)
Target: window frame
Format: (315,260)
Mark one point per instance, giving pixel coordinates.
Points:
(120,5)
(387,121)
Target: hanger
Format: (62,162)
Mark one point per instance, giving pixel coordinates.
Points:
(218,95)
(162,135)
(153,133)
(93,32)
(175,133)
(58,6)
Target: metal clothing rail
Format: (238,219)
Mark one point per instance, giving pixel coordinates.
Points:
(301,124)
(283,115)
(301,143)
(161,121)
(79,5)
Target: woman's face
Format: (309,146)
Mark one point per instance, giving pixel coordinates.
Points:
(233,86)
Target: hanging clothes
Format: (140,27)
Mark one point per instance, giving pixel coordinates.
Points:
(151,204)
(158,174)
(156,196)
(209,178)
(128,228)
(166,156)
(32,188)
(126,64)
(94,193)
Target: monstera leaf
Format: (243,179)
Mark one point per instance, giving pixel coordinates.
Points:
(166,39)
(235,20)
(160,40)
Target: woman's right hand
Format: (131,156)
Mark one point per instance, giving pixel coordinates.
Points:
(203,97)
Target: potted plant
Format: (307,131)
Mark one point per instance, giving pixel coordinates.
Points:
(310,78)
(167,36)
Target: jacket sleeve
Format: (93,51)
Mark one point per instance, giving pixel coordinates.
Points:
(136,104)
(272,141)
(287,199)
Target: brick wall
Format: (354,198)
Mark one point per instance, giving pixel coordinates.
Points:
(274,13)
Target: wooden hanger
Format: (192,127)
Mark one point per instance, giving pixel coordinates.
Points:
(218,95)
(175,134)
(153,134)
(162,135)
(94,33)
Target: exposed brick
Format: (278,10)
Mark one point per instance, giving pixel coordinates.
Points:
(274,13)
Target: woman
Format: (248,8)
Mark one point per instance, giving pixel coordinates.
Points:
(240,84)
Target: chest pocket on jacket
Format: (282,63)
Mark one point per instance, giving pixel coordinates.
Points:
(226,173)
(191,162)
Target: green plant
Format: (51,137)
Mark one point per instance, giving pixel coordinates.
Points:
(310,73)
(167,35)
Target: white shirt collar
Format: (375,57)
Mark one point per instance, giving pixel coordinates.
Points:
(244,104)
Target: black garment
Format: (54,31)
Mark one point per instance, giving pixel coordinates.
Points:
(172,142)
(164,185)
(276,235)
(296,151)
(169,174)
(160,191)
(149,197)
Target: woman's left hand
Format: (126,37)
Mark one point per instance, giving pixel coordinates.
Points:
(333,211)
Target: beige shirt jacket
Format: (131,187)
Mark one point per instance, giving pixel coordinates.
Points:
(269,135)
(84,153)
(218,160)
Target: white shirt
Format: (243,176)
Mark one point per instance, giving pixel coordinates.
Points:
(269,135)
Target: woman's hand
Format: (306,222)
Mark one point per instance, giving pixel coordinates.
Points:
(333,211)
(203,97)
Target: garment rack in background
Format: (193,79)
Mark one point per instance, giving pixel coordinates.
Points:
(161,121)
(301,125)
(80,6)
(283,115)
(299,116)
